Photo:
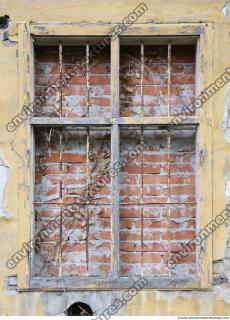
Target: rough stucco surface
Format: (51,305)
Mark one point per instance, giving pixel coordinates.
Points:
(215,302)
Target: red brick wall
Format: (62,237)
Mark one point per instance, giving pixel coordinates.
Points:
(157,190)
(156,221)
(83,242)
(74,96)
(155,80)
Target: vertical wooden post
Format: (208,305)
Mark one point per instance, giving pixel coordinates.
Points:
(115,150)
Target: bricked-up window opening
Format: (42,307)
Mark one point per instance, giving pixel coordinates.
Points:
(79,309)
(143,214)
(68,161)
(87,93)
(157,202)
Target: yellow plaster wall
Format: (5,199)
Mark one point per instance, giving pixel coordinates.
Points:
(215,302)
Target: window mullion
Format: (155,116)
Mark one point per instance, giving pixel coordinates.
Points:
(115,148)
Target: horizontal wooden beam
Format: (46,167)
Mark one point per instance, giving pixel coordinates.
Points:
(87,283)
(97,29)
(123,121)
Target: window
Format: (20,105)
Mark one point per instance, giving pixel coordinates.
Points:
(114,112)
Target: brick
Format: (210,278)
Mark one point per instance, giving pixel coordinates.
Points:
(160,224)
(104,191)
(155,247)
(155,90)
(174,179)
(104,102)
(155,179)
(49,212)
(73,247)
(55,169)
(191,258)
(100,69)
(99,80)
(151,257)
(105,268)
(183,78)
(129,179)
(130,191)
(38,178)
(129,223)
(129,246)
(182,190)
(74,191)
(181,168)
(68,158)
(177,212)
(102,259)
(73,269)
(151,212)
(52,191)
(129,212)
(74,90)
(130,257)
(152,191)
(132,169)
(126,235)
(179,235)
(154,169)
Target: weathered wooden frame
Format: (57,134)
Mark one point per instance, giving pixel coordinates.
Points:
(26,34)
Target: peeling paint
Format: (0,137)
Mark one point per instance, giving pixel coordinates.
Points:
(11,285)
(223,292)
(226,122)
(4,173)
(226,9)
(172,295)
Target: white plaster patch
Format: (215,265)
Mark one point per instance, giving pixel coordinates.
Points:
(172,295)
(4,173)
(226,9)
(57,303)
(11,285)
(224,293)
(226,122)
(227,186)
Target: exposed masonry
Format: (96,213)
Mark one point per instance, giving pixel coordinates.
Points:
(83,244)
(4,173)
(148,96)
(4,23)
(157,196)
(76,100)
(157,190)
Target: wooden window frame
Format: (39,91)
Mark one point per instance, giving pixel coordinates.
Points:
(25,139)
